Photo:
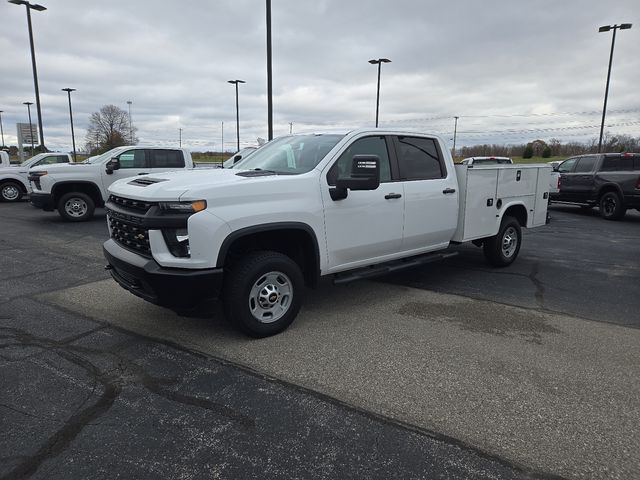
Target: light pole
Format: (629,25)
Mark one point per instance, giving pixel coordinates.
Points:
(73,137)
(129,102)
(606,28)
(378,62)
(269,75)
(39,8)
(180,130)
(28,104)
(236,82)
(455,131)
(1,129)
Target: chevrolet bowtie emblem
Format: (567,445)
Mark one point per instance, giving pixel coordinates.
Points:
(139,237)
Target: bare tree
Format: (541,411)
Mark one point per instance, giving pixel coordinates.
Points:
(109,128)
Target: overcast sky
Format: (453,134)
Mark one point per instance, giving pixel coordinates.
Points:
(513,71)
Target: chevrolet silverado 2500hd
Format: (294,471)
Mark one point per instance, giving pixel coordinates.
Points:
(76,189)
(13,178)
(305,206)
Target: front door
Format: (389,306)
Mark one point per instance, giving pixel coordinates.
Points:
(367,225)
(132,163)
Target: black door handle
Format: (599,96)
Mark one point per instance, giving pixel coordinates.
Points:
(143,173)
(449,190)
(389,196)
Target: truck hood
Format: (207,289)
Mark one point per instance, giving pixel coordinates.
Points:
(12,169)
(61,167)
(197,184)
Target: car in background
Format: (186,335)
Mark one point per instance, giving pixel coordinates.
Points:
(486,161)
(239,155)
(13,178)
(610,181)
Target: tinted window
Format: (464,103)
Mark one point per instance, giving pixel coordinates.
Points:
(166,159)
(617,164)
(418,159)
(132,159)
(567,165)
(364,146)
(586,164)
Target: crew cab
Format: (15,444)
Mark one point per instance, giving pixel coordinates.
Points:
(305,206)
(76,189)
(610,181)
(13,178)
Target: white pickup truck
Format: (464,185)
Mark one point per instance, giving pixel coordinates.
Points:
(305,206)
(13,178)
(75,190)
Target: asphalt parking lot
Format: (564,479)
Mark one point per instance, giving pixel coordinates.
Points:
(452,370)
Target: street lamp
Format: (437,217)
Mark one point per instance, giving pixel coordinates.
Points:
(606,28)
(378,62)
(455,131)
(39,8)
(28,104)
(73,137)
(236,82)
(129,102)
(269,76)
(1,129)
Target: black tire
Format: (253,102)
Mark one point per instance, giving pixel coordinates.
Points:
(11,192)
(262,293)
(76,207)
(503,249)
(611,207)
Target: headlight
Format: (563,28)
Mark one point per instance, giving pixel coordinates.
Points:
(177,240)
(183,207)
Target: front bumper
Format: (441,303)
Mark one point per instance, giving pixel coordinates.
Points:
(42,200)
(175,288)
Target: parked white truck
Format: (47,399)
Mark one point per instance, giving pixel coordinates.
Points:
(75,190)
(305,206)
(13,178)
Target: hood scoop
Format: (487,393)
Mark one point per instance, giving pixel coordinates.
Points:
(146,181)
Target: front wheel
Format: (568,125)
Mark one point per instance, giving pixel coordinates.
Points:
(10,192)
(502,249)
(76,207)
(262,293)
(611,207)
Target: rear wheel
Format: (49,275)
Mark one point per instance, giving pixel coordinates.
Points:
(502,249)
(76,207)
(262,293)
(611,207)
(10,192)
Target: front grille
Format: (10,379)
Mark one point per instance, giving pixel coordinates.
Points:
(129,204)
(129,235)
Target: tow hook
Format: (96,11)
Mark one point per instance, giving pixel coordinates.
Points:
(108,267)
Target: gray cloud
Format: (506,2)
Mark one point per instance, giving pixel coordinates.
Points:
(496,64)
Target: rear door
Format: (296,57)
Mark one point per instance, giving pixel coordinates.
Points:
(161,160)
(430,194)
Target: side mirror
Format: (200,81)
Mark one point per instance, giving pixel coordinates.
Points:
(113,164)
(556,169)
(236,159)
(365,175)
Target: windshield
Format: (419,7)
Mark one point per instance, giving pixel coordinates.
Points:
(105,156)
(291,154)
